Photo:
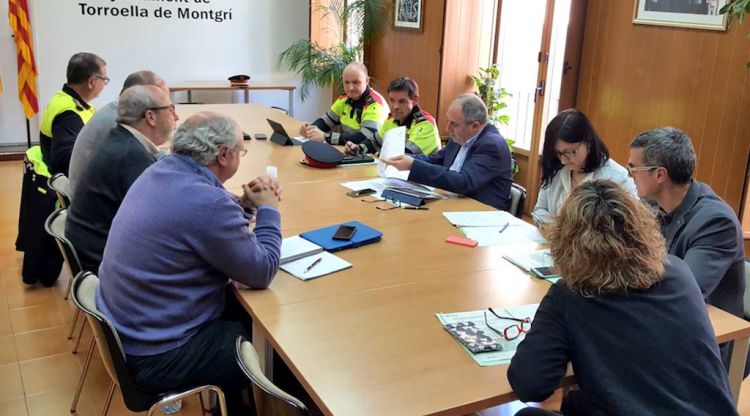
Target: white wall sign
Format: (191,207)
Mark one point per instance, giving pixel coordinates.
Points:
(181,40)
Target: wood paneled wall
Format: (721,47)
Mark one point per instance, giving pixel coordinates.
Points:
(412,54)
(460,50)
(440,58)
(638,77)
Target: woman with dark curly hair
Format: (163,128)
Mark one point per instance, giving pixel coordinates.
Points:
(573,153)
(629,318)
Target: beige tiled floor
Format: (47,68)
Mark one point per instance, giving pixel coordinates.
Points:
(38,373)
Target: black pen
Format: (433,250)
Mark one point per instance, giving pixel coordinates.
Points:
(315,263)
(418,208)
(504,227)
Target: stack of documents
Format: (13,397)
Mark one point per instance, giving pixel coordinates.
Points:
(306,260)
(476,319)
(380,185)
(495,228)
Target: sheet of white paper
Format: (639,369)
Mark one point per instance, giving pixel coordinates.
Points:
(394,144)
(379,185)
(329,263)
(481,218)
(527,259)
(509,347)
(513,234)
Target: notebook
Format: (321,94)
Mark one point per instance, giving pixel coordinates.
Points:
(324,236)
(306,260)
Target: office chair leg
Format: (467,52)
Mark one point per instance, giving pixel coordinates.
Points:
(80,335)
(85,370)
(73,325)
(70,285)
(222,402)
(212,402)
(107,402)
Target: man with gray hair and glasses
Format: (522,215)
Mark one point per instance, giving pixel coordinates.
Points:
(146,120)
(178,240)
(97,129)
(699,227)
(476,161)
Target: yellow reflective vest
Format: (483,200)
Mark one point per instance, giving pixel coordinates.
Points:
(60,103)
(358,120)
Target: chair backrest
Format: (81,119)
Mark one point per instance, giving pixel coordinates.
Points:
(61,185)
(269,399)
(55,226)
(283,110)
(108,342)
(517,196)
(747,289)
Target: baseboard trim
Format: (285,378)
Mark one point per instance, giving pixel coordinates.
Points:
(16,152)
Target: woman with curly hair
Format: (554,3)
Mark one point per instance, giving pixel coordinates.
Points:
(628,317)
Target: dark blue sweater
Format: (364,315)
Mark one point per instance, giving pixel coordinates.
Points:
(650,352)
(174,243)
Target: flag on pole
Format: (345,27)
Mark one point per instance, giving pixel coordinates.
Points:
(21,25)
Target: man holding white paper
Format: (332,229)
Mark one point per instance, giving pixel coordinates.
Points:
(476,162)
(421,131)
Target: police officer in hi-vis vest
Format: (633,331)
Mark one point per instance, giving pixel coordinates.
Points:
(69,109)
(358,113)
(422,135)
(66,113)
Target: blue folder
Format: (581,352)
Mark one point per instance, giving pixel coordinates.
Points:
(324,236)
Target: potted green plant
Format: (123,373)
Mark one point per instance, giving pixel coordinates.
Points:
(736,10)
(320,66)
(494,98)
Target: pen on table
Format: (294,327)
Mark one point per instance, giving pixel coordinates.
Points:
(315,263)
(504,227)
(418,208)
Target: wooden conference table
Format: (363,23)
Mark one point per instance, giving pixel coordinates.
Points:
(190,86)
(366,340)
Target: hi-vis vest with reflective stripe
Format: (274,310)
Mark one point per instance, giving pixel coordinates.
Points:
(372,116)
(60,103)
(34,156)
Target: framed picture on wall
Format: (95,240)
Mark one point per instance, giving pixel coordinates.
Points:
(409,15)
(701,14)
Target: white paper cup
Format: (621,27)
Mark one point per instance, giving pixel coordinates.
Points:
(273,172)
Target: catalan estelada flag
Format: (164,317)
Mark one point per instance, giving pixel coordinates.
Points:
(21,26)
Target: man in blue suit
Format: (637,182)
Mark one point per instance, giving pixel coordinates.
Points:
(476,161)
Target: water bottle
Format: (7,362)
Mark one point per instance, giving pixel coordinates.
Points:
(171,408)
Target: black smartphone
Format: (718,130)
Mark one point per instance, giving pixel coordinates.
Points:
(345,232)
(361,192)
(260,136)
(544,272)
